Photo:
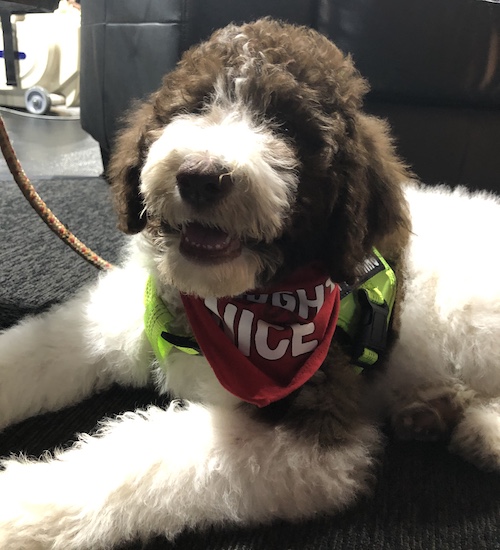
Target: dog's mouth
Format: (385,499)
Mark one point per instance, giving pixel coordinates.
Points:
(208,245)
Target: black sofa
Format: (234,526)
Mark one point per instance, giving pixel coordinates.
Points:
(433,66)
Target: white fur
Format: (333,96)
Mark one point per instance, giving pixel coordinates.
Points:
(451,312)
(60,357)
(261,165)
(449,341)
(262,169)
(158,472)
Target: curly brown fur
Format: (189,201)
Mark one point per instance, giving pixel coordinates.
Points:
(318,411)
(349,197)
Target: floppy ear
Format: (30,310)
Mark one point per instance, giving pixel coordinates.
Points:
(370,209)
(125,167)
(180,91)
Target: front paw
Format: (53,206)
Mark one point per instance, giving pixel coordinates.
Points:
(431,420)
(17,530)
(15,541)
(30,518)
(477,435)
(37,527)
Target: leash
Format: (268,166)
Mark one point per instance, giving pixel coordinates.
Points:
(41,208)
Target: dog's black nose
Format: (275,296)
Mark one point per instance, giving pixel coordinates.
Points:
(203,184)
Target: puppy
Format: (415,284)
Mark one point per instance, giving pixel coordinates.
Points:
(254,186)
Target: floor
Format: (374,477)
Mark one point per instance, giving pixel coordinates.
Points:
(50,146)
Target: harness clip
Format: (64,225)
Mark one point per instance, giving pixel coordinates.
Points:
(373,327)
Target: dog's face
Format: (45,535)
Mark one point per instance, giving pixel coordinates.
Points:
(253,158)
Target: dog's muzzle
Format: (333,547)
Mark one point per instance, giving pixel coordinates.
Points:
(202,184)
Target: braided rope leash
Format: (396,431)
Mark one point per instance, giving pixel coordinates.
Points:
(41,208)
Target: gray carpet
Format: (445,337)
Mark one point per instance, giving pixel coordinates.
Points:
(35,266)
(424,499)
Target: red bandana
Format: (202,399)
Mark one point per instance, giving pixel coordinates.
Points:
(264,346)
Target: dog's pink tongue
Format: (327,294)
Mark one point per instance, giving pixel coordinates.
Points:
(209,237)
(208,244)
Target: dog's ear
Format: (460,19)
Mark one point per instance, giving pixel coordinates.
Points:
(125,167)
(370,209)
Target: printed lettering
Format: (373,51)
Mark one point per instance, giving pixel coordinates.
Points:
(330,284)
(305,303)
(262,339)
(299,347)
(245,332)
(298,301)
(229,316)
(272,342)
(285,300)
(211,304)
(257,298)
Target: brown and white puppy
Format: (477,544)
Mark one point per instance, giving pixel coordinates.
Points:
(254,184)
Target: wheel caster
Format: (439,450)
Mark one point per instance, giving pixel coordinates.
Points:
(37,100)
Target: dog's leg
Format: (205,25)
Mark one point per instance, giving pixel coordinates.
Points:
(477,435)
(429,419)
(161,471)
(60,357)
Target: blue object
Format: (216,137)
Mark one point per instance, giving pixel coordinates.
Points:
(17,55)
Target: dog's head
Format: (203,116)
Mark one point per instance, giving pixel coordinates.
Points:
(254,158)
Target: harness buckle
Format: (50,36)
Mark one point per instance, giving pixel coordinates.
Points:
(373,327)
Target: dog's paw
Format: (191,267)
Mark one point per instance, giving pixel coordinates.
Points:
(17,530)
(30,517)
(431,420)
(20,529)
(11,540)
(477,436)
(32,526)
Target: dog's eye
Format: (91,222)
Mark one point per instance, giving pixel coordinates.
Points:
(287,128)
(308,139)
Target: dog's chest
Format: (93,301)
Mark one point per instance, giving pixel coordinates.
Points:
(261,345)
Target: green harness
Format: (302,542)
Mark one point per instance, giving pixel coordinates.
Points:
(366,310)
(365,314)
(157,321)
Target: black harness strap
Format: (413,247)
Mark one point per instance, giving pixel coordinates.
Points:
(180,341)
(8,48)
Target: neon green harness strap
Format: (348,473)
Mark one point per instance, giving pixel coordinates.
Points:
(366,311)
(157,320)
